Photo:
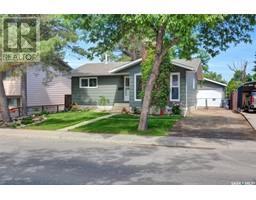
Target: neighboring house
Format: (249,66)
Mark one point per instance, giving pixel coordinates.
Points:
(121,83)
(42,89)
(210,93)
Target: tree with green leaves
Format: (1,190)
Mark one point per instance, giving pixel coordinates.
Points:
(214,76)
(182,34)
(254,68)
(205,57)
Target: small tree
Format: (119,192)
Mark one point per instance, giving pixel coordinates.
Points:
(103,101)
(161,90)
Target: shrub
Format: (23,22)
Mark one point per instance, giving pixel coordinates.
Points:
(176,109)
(103,101)
(27,120)
(136,110)
(75,107)
(44,113)
(124,111)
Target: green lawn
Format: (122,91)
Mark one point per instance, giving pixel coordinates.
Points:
(127,124)
(65,119)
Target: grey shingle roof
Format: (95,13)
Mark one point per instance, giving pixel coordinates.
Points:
(104,69)
(99,69)
(193,63)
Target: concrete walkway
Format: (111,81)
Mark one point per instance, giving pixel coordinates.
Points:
(167,141)
(251,118)
(86,122)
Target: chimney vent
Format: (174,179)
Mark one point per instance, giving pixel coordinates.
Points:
(106,58)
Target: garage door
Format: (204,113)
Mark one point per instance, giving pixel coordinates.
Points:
(213,98)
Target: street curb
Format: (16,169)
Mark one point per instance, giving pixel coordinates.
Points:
(159,141)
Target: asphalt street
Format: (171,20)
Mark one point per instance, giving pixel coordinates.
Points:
(25,160)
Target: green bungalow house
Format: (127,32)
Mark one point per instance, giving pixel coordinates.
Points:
(120,83)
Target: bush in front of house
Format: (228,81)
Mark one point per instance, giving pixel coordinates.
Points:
(176,109)
(103,101)
(27,120)
(75,107)
(136,111)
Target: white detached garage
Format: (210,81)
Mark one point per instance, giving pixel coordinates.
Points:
(210,93)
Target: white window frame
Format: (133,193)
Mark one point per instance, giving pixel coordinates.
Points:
(171,75)
(135,86)
(125,78)
(88,78)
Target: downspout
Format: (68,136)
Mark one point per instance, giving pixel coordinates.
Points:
(186,88)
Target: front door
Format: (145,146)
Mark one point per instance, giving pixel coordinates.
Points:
(126,88)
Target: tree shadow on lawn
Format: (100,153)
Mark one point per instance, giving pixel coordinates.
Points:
(60,121)
(157,126)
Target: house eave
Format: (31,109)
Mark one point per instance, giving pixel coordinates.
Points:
(183,66)
(88,75)
(216,82)
(125,66)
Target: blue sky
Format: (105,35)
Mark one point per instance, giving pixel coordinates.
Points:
(219,64)
(235,54)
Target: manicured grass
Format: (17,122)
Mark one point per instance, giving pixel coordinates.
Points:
(128,124)
(65,119)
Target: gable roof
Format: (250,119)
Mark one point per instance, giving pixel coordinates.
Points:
(97,69)
(216,82)
(101,69)
(192,64)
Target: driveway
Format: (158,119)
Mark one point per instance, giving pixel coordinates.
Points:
(46,160)
(214,123)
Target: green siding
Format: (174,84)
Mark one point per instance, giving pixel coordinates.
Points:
(109,86)
(191,91)
(112,88)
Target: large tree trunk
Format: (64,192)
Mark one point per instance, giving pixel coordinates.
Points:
(24,92)
(160,52)
(3,101)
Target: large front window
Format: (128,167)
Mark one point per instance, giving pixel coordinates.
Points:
(175,87)
(138,87)
(91,82)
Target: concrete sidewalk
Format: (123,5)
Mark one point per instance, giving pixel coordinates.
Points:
(167,141)
(251,118)
(86,122)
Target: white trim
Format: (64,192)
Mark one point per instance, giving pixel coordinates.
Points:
(125,77)
(219,83)
(135,86)
(126,65)
(88,78)
(174,73)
